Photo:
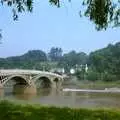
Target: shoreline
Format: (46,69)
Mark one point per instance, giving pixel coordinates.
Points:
(106,90)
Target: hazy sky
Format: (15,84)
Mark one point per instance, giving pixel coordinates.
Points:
(49,26)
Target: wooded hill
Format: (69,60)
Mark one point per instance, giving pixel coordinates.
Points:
(103,61)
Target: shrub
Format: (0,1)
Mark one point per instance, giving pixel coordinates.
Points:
(109,77)
(80,75)
(93,76)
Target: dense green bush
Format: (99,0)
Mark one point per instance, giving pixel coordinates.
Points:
(108,77)
(79,75)
(93,76)
(10,111)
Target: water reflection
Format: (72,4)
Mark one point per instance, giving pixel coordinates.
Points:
(56,97)
(24,92)
(44,92)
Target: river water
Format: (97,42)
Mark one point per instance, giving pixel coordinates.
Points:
(47,96)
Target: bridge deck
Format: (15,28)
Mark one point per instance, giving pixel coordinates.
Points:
(26,72)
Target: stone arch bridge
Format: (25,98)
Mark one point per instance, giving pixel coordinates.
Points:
(30,77)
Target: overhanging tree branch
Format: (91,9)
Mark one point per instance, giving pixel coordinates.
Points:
(103,13)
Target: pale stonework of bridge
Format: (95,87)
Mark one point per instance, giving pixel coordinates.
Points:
(29,77)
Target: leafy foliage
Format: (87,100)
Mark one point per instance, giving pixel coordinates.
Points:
(55,2)
(106,61)
(27,61)
(103,64)
(93,76)
(103,13)
(73,59)
(55,54)
(18,6)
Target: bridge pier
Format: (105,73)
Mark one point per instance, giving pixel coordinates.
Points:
(56,83)
(1,86)
(30,81)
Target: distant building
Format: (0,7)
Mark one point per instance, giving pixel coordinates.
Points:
(72,71)
(86,68)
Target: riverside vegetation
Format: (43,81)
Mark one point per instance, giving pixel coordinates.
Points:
(14,111)
(103,64)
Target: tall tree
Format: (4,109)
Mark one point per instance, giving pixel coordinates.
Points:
(55,54)
(106,59)
(72,59)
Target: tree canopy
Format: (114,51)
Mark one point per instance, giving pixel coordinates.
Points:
(103,64)
(55,54)
(106,60)
(104,13)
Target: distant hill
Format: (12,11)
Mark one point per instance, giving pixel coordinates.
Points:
(32,55)
(27,60)
(37,59)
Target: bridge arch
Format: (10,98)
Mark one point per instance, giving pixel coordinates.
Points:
(19,79)
(30,77)
(48,80)
(56,80)
(43,82)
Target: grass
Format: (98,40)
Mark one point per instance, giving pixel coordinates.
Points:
(14,111)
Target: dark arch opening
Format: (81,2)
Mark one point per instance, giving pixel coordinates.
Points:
(56,80)
(43,82)
(19,80)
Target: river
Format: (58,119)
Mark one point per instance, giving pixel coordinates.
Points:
(45,96)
